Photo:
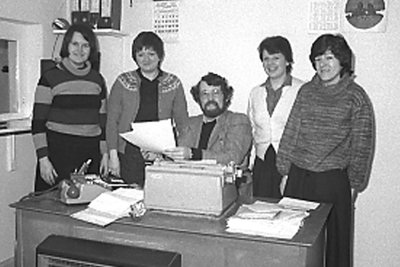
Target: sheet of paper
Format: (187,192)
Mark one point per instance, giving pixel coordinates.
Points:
(155,136)
(266,219)
(94,216)
(261,206)
(116,202)
(293,203)
(109,206)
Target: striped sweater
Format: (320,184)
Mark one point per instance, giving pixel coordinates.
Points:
(70,101)
(330,128)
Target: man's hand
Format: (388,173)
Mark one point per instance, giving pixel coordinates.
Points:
(47,171)
(178,153)
(150,156)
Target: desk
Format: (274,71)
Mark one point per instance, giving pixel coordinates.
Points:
(201,241)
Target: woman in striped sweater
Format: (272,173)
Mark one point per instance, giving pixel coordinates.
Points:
(328,143)
(69,112)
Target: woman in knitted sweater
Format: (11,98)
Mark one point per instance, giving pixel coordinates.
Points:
(142,95)
(69,112)
(328,143)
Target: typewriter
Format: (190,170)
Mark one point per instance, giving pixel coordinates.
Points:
(190,187)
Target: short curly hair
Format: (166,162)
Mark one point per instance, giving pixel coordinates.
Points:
(339,48)
(214,80)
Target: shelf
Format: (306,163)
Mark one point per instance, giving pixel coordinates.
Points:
(16,131)
(15,126)
(99,32)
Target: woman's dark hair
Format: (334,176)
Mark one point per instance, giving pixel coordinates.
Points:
(277,44)
(148,40)
(339,48)
(213,79)
(89,36)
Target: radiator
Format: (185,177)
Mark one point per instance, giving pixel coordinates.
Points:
(62,251)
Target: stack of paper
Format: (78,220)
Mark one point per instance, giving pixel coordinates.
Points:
(269,219)
(110,206)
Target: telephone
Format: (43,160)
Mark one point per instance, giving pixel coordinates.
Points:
(81,188)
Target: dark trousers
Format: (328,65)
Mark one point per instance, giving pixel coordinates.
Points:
(330,187)
(132,165)
(67,153)
(266,178)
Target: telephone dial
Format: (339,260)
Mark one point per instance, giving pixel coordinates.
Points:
(82,188)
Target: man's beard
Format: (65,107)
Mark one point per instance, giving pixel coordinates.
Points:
(211,109)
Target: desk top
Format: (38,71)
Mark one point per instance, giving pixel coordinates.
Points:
(177,222)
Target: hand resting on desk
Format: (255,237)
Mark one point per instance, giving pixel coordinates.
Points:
(47,171)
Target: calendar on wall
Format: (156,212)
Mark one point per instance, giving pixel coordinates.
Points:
(166,20)
(324,16)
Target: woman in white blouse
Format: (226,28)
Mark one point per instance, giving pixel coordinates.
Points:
(268,109)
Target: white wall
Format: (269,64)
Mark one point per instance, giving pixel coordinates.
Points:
(17,183)
(222,36)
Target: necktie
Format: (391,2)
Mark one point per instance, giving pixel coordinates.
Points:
(272,98)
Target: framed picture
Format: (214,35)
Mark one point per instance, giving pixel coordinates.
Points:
(365,15)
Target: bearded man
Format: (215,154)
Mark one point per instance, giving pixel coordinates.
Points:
(218,133)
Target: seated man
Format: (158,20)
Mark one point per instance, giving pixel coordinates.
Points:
(218,133)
